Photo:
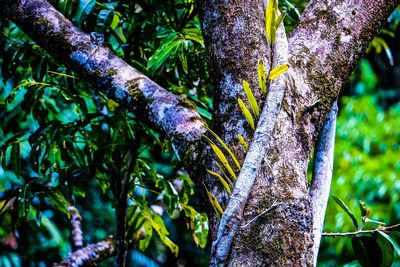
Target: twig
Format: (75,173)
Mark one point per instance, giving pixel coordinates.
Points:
(121,195)
(76,228)
(274,205)
(380,228)
(89,255)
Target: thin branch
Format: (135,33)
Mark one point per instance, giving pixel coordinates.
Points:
(254,157)
(273,206)
(120,210)
(89,255)
(322,174)
(76,228)
(380,228)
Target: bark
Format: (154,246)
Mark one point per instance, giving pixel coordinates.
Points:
(76,228)
(276,227)
(330,34)
(89,255)
(84,53)
(251,166)
(322,175)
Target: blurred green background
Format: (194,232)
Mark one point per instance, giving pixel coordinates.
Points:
(61,144)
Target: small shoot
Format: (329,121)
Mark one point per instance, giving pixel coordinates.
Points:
(220,155)
(226,177)
(280,19)
(214,203)
(243,142)
(270,21)
(250,97)
(262,79)
(222,180)
(276,72)
(246,113)
(222,143)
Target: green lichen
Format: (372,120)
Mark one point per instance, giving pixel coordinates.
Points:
(133,87)
(112,72)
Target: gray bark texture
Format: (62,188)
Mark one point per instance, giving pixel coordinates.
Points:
(273,223)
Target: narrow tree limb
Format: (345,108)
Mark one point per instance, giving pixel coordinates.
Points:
(380,228)
(322,175)
(76,228)
(120,210)
(95,63)
(89,255)
(233,213)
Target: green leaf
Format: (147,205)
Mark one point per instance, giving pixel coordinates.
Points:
(346,209)
(201,229)
(158,225)
(391,240)
(222,180)
(276,72)
(243,142)
(220,155)
(280,19)
(270,20)
(222,143)
(385,243)
(367,251)
(363,208)
(262,79)
(246,113)
(214,202)
(250,97)
(148,234)
(166,50)
(84,9)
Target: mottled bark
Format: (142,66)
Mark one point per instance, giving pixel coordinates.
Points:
(95,63)
(234,211)
(76,228)
(89,255)
(322,175)
(234,35)
(330,34)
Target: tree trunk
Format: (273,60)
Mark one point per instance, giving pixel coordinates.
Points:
(273,224)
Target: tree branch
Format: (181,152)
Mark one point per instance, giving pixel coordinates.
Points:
(254,157)
(92,61)
(322,175)
(122,186)
(89,255)
(380,228)
(326,45)
(76,228)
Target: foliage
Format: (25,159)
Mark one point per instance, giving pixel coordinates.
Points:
(373,243)
(62,144)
